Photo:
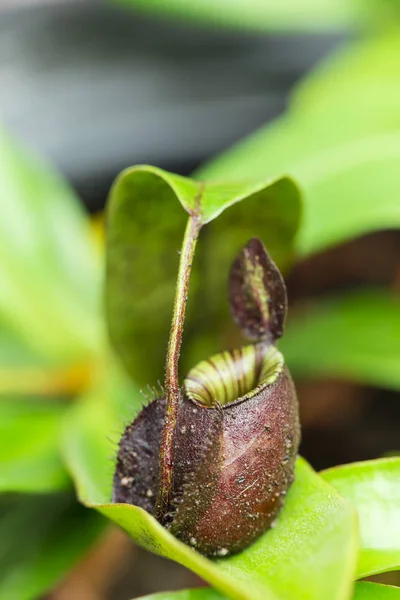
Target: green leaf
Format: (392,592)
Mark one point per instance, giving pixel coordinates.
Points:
(343,152)
(286,15)
(355,335)
(324,545)
(375,591)
(144,234)
(315,537)
(268,195)
(42,537)
(363,591)
(373,488)
(49,273)
(30,459)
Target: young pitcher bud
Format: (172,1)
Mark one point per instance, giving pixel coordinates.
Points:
(237,432)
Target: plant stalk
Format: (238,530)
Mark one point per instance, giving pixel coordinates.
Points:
(171,370)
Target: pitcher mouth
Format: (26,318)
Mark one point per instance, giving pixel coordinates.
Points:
(233,376)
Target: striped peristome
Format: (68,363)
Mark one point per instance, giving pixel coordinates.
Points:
(233,376)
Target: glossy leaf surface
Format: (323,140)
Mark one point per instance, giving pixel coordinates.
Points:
(355,336)
(373,488)
(315,532)
(343,152)
(49,274)
(362,591)
(30,459)
(147,213)
(42,537)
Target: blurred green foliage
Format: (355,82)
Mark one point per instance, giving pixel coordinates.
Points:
(340,139)
(355,335)
(285,15)
(65,399)
(49,293)
(42,536)
(34,465)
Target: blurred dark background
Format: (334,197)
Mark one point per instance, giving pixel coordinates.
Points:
(96,88)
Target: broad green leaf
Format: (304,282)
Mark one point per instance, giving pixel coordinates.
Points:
(30,459)
(344,152)
(315,536)
(356,336)
(374,591)
(49,273)
(285,15)
(373,488)
(363,591)
(42,537)
(146,219)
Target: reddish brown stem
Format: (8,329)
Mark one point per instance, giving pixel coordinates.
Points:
(171,375)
